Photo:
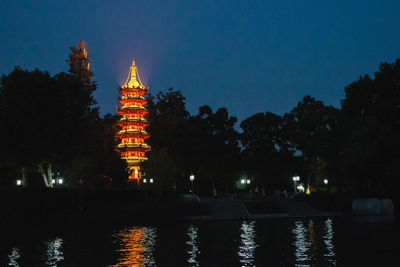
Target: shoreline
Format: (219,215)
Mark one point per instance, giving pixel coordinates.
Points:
(29,208)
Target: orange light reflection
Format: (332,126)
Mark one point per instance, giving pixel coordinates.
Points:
(137,246)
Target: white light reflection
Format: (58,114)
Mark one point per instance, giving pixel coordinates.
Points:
(54,252)
(301,243)
(14,257)
(328,239)
(248,245)
(193,245)
(150,238)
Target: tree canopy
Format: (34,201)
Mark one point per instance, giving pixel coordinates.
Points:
(51,124)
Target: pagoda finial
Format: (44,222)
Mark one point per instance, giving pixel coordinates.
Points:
(133,80)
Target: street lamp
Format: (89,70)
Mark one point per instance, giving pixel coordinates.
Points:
(151,180)
(19,182)
(248,181)
(242,181)
(191,177)
(295,180)
(326,184)
(144,181)
(300,187)
(60,181)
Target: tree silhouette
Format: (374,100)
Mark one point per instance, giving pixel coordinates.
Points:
(308,129)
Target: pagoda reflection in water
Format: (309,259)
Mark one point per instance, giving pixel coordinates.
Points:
(136,246)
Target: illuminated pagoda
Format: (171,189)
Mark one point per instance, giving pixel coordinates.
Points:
(133,147)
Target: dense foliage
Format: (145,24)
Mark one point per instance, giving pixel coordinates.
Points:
(50,124)
(51,127)
(354,147)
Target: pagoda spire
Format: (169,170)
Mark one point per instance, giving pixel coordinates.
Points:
(133,80)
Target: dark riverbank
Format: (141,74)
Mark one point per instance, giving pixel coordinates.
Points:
(42,207)
(71,207)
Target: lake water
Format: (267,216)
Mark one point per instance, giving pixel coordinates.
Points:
(295,242)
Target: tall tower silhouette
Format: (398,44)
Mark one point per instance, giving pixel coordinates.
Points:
(133,147)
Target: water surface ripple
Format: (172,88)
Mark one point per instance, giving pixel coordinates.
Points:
(300,242)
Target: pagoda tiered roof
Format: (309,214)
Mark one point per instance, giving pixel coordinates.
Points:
(134,91)
(132,99)
(134,145)
(132,107)
(127,122)
(133,135)
(128,131)
(132,161)
(132,110)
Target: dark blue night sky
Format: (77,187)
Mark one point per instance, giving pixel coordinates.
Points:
(248,56)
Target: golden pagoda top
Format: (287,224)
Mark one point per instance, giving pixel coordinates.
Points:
(133,80)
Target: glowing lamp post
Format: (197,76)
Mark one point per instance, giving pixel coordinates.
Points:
(191,177)
(300,187)
(295,180)
(150,180)
(19,182)
(248,181)
(326,183)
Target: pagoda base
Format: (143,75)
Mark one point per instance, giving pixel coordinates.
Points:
(135,173)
